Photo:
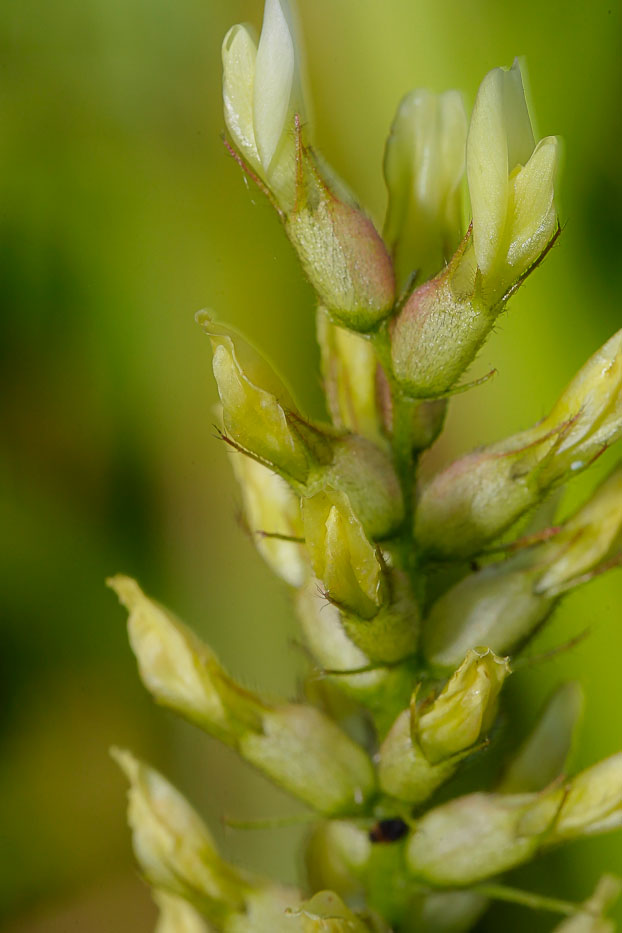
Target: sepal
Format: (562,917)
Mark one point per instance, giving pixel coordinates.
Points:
(479,496)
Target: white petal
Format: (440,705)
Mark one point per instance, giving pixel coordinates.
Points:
(453,131)
(517,123)
(239,55)
(533,218)
(487,168)
(274,76)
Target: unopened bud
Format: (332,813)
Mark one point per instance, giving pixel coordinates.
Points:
(379,612)
(425,746)
(366,475)
(591,919)
(343,255)
(465,709)
(423,167)
(592,802)
(341,555)
(448,911)
(511,183)
(475,837)
(591,537)
(442,325)
(327,913)
(382,689)
(336,857)
(268,910)
(349,368)
(504,603)
(264,423)
(175,666)
(261,420)
(297,746)
(542,757)
(477,497)
(174,847)
(497,606)
(272,511)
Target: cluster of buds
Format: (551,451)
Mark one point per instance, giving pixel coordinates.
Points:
(337,514)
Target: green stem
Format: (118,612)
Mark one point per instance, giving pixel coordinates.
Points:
(404,457)
(402,412)
(500,892)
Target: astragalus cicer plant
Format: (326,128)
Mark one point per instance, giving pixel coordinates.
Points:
(338,514)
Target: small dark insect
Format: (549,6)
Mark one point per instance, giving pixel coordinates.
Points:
(388,830)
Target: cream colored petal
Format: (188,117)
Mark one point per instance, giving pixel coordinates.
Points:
(519,132)
(274,77)
(453,133)
(533,218)
(173,663)
(271,505)
(239,55)
(487,168)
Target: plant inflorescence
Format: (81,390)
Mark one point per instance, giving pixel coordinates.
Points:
(421,655)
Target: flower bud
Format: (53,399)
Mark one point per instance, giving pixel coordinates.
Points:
(497,606)
(344,257)
(423,167)
(341,252)
(366,475)
(349,367)
(336,857)
(174,847)
(269,909)
(175,666)
(425,746)
(261,421)
(442,325)
(299,748)
(591,537)
(465,709)
(475,837)
(590,919)
(272,510)
(504,603)
(445,321)
(378,609)
(448,912)
(327,913)
(592,802)
(265,424)
(542,757)
(477,497)
(178,916)
(341,555)
(511,183)
(259,90)
(383,690)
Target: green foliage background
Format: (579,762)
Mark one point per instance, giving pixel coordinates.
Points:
(121,216)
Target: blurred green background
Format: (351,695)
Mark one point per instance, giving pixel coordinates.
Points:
(121,215)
